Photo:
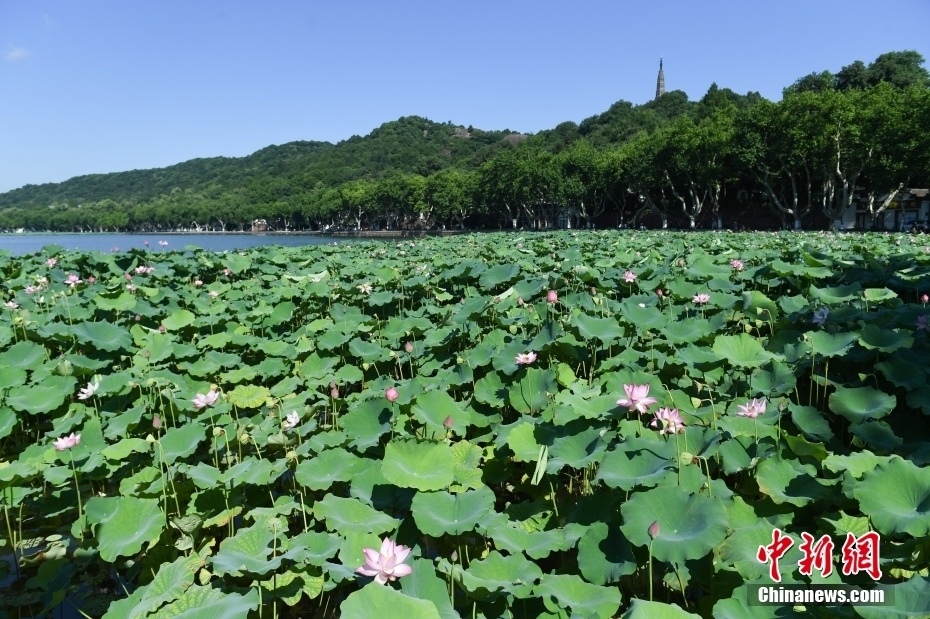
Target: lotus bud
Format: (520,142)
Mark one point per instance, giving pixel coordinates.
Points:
(334,392)
(448,422)
(138,317)
(552,297)
(162,329)
(497,299)
(64,368)
(408,347)
(391,394)
(924,298)
(654,530)
(156,421)
(593,291)
(520,301)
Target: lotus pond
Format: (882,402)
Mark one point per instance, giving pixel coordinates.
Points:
(592,425)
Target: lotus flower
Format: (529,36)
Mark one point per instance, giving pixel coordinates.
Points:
(737,264)
(821,315)
(366,288)
(636,398)
(752,409)
(551,297)
(214,294)
(629,277)
(163,243)
(924,298)
(291,420)
(51,262)
(202,400)
(671,421)
(525,358)
(72,280)
(67,442)
(701,298)
(391,394)
(88,391)
(388,564)
(12,305)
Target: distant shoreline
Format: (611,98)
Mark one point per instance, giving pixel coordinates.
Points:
(337,234)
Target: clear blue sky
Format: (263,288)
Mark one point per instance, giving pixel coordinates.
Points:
(104,86)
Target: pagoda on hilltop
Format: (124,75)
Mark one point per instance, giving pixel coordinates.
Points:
(660,82)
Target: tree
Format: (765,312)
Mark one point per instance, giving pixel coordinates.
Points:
(900,69)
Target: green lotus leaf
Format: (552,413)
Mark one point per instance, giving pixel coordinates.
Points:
(830,344)
(103,335)
(637,462)
(122,302)
(688,331)
(604,554)
(690,525)
(11,377)
(874,337)
(642,609)
(739,551)
(536,544)
(368,351)
(124,524)
(367,422)
(425,584)
(23,355)
(604,329)
(320,471)
(7,421)
(780,380)
(467,464)
(902,373)
(810,422)
(246,552)
(178,320)
(896,496)
(497,275)
(532,392)
(741,350)
(789,481)
(352,515)
(879,294)
(569,592)
(513,574)
(43,398)
(835,295)
(857,464)
(911,599)
(755,303)
(859,404)
(181,441)
(391,604)
(122,449)
(578,448)
(254,471)
(738,606)
(442,513)
(424,466)
(168,585)
(491,390)
(248,396)
(434,407)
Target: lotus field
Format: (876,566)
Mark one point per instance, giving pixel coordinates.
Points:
(574,425)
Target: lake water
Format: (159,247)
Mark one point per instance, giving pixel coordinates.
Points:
(19,244)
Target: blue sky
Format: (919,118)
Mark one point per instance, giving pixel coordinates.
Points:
(104,86)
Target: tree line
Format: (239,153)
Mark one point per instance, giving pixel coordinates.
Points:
(861,134)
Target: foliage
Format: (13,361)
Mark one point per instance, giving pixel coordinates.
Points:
(238,451)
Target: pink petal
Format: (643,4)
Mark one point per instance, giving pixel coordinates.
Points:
(403,570)
(401,553)
(387,547)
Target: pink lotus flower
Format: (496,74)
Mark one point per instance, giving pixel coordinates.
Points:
(130,287)
(144,270)
(737,264)
(629,277)
(198,282)
(659,292)
(32,289)
(51,262)
(67,442)
(366,288)
(12,305)
(637,398)
(924,298)
(72,280)
(671,421)
(701,298)
(525,358)
(163,243)
(752,409)
(391,394)
(146,243)
(388,564)
(214,294)
(551,297)
(202,400)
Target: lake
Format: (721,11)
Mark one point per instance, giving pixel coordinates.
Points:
(19,244)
